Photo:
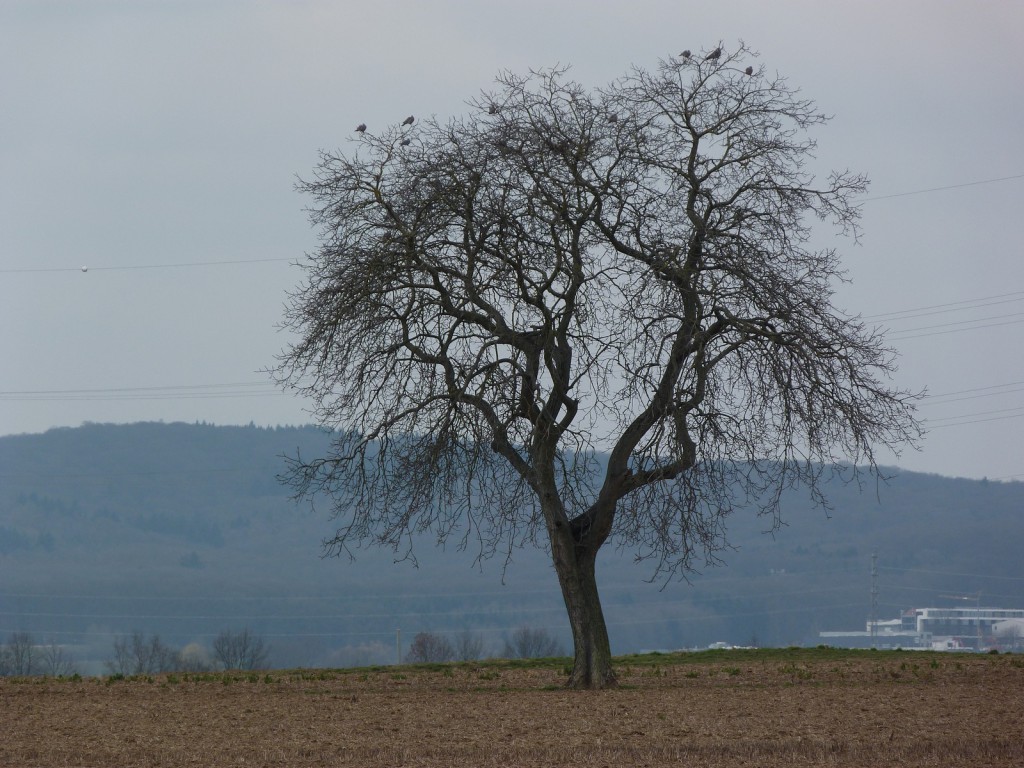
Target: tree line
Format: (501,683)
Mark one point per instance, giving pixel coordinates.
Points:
(23,656)
(140,654)
(524,643)
(136,654)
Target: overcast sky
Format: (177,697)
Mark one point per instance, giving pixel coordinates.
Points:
(157,143)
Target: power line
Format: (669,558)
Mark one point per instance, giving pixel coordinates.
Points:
(178,265)
(173,265)
(550,592)
(172,391)
(167,392)
(980,413)
(901,588)
(976,421)
(898,337)
(950,573)
(968,392)
(190,472)
(963,322)
(952,306)
(963,419)
(183,396)
(554,608)
(940,189)
(137,389)
(376,597)
(687,618)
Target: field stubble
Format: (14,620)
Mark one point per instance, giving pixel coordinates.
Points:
(764,708)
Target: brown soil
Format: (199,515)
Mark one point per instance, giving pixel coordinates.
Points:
(772,710)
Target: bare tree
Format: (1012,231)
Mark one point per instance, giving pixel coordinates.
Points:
(136,655)
(530,643)
(121,664)
(428,647)
(469,646)
(537,322)
(22,655)
(240,650)
(55,661)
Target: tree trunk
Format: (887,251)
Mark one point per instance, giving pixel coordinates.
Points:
(574,565)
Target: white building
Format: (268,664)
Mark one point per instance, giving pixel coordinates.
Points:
(969,628)
(976,628)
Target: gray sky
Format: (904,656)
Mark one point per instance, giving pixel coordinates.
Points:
(157,143)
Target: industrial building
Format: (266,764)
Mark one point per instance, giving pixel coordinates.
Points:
(939,629)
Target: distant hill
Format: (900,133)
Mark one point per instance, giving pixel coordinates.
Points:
(183,530)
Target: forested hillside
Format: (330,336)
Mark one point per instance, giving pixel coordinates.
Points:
(184,530)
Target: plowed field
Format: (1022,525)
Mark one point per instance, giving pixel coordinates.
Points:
(769,708)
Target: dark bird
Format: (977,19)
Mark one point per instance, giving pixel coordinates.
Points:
(361,128)
(685,54)
(409,120)
(613,118)
(405,142)
(493,109)
(713,56)
(749,70)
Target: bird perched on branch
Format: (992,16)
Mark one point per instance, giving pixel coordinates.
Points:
(405,142)
(685,54)
(492,109)
(361,128)
(713,56)
(613,118)
(409,120)
(749,70)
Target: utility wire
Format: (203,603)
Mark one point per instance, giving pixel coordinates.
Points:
(934,590)
(176,265)
(898,337)
(951,397)
(962,322)
(553,594)
(168,392)
(138,389)
(202,391)
(980,413)
(943,188)
(942,309)
(950,573)
(976,421)
(687,618)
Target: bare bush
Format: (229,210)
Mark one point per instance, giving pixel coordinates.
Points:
(428,647)
(469,646)
(55,661)
(529,643)
(21,655)
(135,655)
(240,650)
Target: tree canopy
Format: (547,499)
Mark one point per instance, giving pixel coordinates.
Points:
(578,315)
